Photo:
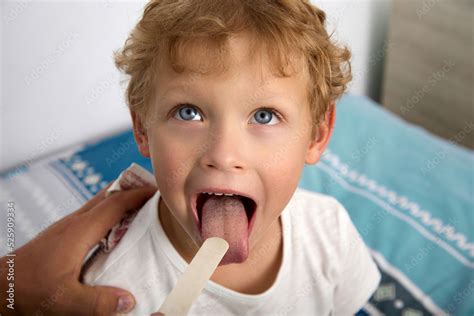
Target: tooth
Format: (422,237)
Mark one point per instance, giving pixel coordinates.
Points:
(218,193)
(230,194)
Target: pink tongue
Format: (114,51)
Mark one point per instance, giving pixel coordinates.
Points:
(225,217)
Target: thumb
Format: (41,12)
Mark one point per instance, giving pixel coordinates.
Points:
(107,300)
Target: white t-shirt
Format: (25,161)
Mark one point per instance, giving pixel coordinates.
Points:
(326,267)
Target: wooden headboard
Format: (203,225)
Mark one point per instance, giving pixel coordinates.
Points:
(428,77)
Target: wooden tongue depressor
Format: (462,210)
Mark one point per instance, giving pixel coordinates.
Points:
(193,280)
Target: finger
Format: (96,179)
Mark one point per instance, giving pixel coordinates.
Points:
(97,222)
(105,300)
(99,197)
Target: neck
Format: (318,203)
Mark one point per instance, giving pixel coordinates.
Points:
(180,239)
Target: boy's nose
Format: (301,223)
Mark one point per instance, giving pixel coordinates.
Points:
(223,150)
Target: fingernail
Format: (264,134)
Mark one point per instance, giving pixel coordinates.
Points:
(124,304)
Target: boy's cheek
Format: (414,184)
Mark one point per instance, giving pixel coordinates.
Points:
(167,175)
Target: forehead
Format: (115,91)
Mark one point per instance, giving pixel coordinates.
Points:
(240,66)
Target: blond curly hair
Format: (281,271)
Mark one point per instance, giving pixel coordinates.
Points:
(281,28)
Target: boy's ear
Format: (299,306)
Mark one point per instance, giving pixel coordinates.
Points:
(322,136)
(139,132)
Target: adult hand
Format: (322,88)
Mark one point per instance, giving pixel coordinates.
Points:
(47,269)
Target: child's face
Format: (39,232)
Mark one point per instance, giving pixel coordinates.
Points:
(223,138)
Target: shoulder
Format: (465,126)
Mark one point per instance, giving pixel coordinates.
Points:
(327,238)
(117,265)
(317,211)
(127,254)
(318,224)
(322,219)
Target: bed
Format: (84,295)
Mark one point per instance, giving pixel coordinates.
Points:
(408,192)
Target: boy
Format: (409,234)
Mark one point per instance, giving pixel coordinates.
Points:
(202,74)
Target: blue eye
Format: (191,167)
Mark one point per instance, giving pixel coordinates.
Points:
(266,115)
(187,113)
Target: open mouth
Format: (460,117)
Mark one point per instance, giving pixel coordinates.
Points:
(249,205)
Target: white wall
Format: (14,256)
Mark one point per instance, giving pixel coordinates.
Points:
(362,25)
(58,84)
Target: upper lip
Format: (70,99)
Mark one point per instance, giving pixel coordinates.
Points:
(195,194)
